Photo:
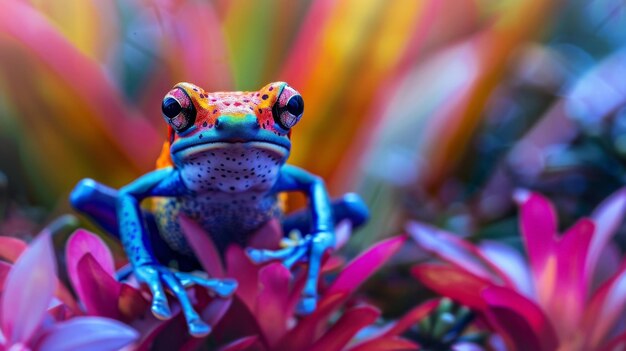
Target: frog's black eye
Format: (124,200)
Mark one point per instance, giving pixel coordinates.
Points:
(295,105)
(178,110)
(288,108)
(171,107)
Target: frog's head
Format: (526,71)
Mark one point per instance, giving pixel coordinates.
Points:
(235,129)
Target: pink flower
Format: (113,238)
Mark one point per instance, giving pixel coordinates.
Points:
(549,302)
(26,320)
(91,271)
(262,314)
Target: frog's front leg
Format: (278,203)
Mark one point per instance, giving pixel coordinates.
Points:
(135,239)
(312,247)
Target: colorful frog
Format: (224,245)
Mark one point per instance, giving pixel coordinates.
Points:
(223,167)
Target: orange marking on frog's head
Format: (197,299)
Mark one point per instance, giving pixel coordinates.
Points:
(199,121)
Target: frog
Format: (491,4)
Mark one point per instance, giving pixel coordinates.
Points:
(224,167)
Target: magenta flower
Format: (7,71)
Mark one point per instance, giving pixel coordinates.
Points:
(262,315)
(27,321)
(91,271)
(557,299)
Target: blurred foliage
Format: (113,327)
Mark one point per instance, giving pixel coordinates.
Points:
(430,109)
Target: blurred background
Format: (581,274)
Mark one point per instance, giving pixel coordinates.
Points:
(433,110)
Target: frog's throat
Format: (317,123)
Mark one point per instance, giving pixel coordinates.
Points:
(280,151)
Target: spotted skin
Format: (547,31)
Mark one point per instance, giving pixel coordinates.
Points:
(223,166)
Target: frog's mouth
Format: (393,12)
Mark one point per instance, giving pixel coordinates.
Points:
(248,148)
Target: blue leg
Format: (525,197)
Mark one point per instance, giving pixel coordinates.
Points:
(317,224)
(350,206)
(96,201)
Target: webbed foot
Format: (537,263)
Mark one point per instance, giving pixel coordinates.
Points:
(309,249)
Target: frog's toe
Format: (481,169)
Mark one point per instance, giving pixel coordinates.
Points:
(306,305)
(198,328)
(256,255)
(225,287)
(161,310)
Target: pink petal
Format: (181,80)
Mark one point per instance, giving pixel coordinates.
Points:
(268,237)
(567,290)
(5,268)
(28,290)
(453,282)
(82,242)
(539,228)
(448,247)
(89,334)
(607,217)
(11,248)
(215,310)
(98,290)
(308,328)
(131,303)
(618,343)
(202,245)
(346,328)
(272,301)
(237,321)
(519,320)
(511,264)
(240,344)
(386,344)
(359,269)
(605,309)
(240,267)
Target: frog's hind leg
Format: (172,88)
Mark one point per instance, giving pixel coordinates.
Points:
(97,202)
(350,207)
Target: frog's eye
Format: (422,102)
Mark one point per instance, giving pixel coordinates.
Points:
(288,108)
(178,110)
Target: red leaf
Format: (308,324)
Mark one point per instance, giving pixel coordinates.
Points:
(204,248)
(362,267)
(272,301)
(306,331)
(346,328)
(241,268)
(453,282)
(539,228)
(268,237)
(98,290)
(519,320)
(11,248)
(81,243)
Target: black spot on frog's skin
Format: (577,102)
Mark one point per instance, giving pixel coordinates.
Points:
(232,188)
(264,97)
(260,111)
(200,137)
(205,124)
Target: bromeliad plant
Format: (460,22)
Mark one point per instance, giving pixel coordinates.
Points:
(262,315)
(559,299)
(108,314)
(32,318)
